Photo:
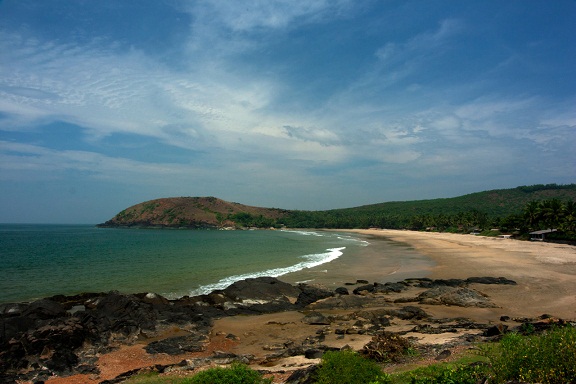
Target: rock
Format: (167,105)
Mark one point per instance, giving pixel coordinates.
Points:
(504,318)
(462,297)
(261,288)
(316,318)
(303,376)
(342,291)
(444,354)
(361,281)
(410,312)
(125,314)
(313,353)
(363,289)
(179,344)
(490,280)
(44,309)
(496,330)
(310,294)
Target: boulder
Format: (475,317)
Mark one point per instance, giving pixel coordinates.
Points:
(261,288)
(342,291)
(311,293)
(458,296)
(316,318)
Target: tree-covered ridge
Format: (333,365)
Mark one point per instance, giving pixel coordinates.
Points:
(519,210)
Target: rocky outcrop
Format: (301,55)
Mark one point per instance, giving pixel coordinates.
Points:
(64,335)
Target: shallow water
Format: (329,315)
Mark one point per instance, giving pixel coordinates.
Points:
(44,260)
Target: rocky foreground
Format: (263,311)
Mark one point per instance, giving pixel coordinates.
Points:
(66,335)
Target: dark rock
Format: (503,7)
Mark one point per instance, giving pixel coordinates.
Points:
(44,309)
(261,288)
(315,318)
(410,312)
(504,318)
(389,287)
(490,280)
(62,361)
(125,314)
(313,353)
(178,345)
(364,288)
(303,376)
(342,291)
(462,297)
(362,282)
(444,354)
(496,330)
(310,294)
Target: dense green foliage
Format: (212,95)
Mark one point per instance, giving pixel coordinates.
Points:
(450,374)
(521,209)
(549,358)
(347,367)
(237,374)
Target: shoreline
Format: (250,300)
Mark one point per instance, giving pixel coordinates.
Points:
(543,277)
(545,272)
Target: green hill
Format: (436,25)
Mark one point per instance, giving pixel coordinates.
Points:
(193,212)
(502,208)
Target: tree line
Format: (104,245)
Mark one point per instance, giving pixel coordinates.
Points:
(536,215)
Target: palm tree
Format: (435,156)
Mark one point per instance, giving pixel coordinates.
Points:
(532,213)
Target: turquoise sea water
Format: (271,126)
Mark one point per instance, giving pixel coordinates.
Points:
(44,260)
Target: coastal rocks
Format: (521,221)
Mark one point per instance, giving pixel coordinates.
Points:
(316,318)
(179,344)
(65,335)
(310,294)
(261,288)
(458,296)
(430,283)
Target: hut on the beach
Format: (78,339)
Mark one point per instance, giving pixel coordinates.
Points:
(541,235)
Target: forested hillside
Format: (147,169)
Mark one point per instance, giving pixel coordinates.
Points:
(507,209)
(517,210)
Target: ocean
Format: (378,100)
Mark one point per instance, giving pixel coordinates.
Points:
(43,260)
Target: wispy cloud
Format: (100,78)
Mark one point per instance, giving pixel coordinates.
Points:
(283,96)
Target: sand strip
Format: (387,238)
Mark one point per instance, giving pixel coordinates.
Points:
(545,272)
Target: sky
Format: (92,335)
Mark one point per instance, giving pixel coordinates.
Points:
(295,104)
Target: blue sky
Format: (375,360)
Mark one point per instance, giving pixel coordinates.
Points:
(290,104)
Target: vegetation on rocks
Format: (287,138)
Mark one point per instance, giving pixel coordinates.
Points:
(546,358)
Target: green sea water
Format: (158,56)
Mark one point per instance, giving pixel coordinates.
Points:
(43,260)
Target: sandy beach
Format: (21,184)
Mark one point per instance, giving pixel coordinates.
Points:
(546,284)
(545,272)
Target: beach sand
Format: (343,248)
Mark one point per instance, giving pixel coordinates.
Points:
(545,272)
(546,284)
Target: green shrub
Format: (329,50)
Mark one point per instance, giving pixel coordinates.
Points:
(347,367)
(548,358)
(450,374)
(236,374)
